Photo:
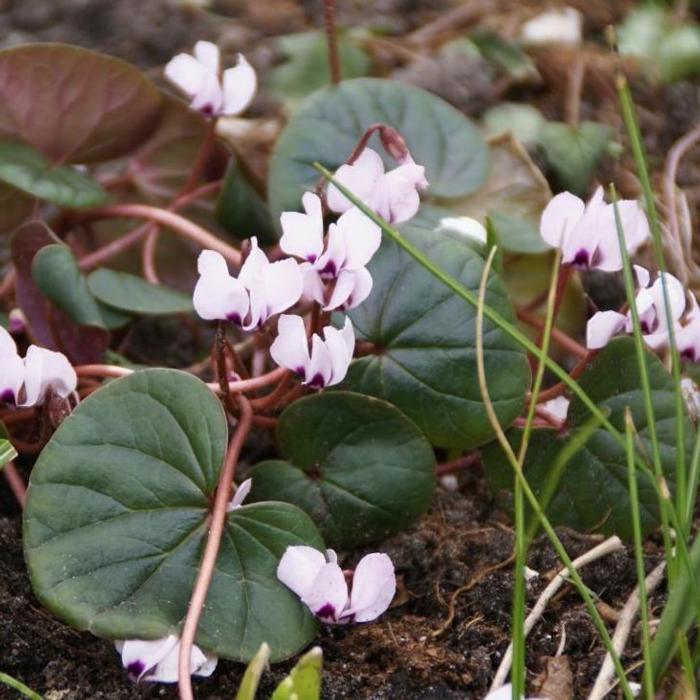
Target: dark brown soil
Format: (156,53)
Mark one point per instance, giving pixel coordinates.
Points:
(410,653)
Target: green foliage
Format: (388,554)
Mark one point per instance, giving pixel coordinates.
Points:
(329,123)
(424,359)
(132,294)
(110,109)
(304,680)
(24,168)
(7,451)
(251,678)
(357,465)
(593,489)
(117,516)
(306,66)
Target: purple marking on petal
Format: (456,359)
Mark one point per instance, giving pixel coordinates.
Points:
(326,612)
(311,258)
(301,372)
(688,354)
(644,326)
(207,110)
(8,396)
(135,669)
(582,259)
(317,381)
(234,318)
(330,270)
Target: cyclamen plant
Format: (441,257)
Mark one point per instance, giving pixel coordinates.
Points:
(364,350)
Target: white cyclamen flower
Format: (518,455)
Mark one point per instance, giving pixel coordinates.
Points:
(321,584)
(11,369)
(587,233)
(157,660)
(261,290)
(44,371)
(651,310)
(329,359)
(211,92)
(334,273)
(393,195)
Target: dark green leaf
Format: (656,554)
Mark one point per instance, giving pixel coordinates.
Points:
(593,490)
(425,340)
(117,517)
(507,55)
(27,170)
(357,465)
(74,105)
(328,124)
(132,294)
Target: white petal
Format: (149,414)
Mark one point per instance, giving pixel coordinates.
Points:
(558,407)
(241,493)
(186,72)
(278,287)
(7,343)
(209,98)
(341,345)
(373,587)
(634,224)
(11,369)
(290,348)
(412,172)
(676,298)
(320,367)
(464,226)
(332,261)
(208,55)
(217,295)
(327,597)
(642,276)
(302,234)
(395,198)
(688,339)
(351,289)
(656,341)
(560,217)
(140,657)
(559,26)
(634,227)
(602,326)
(43,370)
(254,264)
(360,178)
(298,568)
(313,287)
(362,238)
(240,84)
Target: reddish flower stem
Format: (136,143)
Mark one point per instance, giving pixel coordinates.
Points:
(271,400)
(558,336)
(460,464)
(16,483)
(562,281)
(560,388)
(332,40)
(211,550)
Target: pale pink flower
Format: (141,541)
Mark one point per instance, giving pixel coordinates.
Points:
(11,369)
(320,583)
(44,371)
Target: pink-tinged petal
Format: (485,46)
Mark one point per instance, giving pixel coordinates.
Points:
(362,237)
(341,345)
(634,224)
(299,567)
(351,289)
(283,283)
(327,597)
(332,261)
(558,407)
(208,55)
(140,657)
(186,73)
(239,86)
(676,298)
(658,340)
(373,587)
(43,370)
(413,172)
(11,369)
(7,343)
(254,264)
(360,178)
(320,367)
(602,327)
(635,228)
(313,287)
(290,348)
(241,493)
(209,98)
(217,295)
(560,217)
(166,671)
(688,336)
(302,234)
(396,198)
(642,276)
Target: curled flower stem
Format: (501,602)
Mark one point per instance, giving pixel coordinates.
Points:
(272,399)
(102,371)
(558,336)
(179,224)
(211,550)
(16,483)
(332,40)
(458,465)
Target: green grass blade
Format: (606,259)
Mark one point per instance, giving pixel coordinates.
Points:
(25,690)
(7,453)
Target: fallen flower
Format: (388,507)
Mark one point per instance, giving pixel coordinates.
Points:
(321,584)
(463,226)
(329,359)
(351,243)
(210,93)
(11,369)
(587,233)
(261,290)
(649,301)
(393,195)
(44,371)
(157,660)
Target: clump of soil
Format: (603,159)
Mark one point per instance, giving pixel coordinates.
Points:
(434,642)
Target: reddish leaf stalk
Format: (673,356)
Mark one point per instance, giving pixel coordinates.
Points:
(558,336)
(457,465)
(211,550)
(332,40)
(16,483)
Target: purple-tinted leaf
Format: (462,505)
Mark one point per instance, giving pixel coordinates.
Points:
(75,105)
(49,326)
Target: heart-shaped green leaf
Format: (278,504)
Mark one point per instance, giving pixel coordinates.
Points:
(27,170)
(74,105)
(593,490)
(357,465)
(132,294)
(329,123)
(424,337)
(117,518)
